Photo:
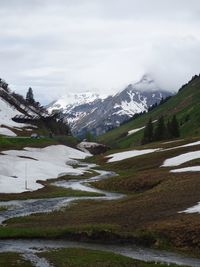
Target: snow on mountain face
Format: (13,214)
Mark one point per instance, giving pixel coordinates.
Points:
(91,112)
(76,106)
(72,100)
(7,112)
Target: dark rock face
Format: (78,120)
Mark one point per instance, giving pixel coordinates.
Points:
(93,148)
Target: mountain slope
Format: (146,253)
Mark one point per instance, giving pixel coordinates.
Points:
(97,114)
(18,117)
(76,106)
(185,104)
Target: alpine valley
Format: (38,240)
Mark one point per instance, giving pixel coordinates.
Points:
(97,114)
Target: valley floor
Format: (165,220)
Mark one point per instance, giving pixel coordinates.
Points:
(153,211)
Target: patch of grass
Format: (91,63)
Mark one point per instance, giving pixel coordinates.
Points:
(80,257)
(11,259)
(20,142)
(3,208)
(67,140)
(49,191)
(36,231)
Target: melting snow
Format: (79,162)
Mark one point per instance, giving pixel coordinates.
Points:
(188,169)
(191,144)
(135,130)
(178,160)
(187,145)
(194,209)
(129,154)
(6,131)
(35,164)
(138,129)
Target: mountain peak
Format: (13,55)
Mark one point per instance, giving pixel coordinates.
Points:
(146,83)
(146,78)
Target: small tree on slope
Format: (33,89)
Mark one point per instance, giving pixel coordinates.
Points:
(148,133)
(160,131)
(174,127)
(29,96)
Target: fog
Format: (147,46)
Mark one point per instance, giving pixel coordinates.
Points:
(65,46)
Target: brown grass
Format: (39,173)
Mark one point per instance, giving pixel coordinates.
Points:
(155,197)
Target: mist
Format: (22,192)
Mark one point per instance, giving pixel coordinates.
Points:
(60,47)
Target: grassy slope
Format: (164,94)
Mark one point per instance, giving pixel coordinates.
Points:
(78,257)
(7,143)
(186,102)
(11,259)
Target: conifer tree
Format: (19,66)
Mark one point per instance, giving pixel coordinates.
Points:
(169,131)
(148,132)
(160,131)
(29,96)
(175,131)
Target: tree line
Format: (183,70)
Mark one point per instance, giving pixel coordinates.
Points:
(161,130)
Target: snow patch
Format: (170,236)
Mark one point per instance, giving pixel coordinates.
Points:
(34,164)
(191,144)
(194,209)
(75,100)
(129,154)
(186,145)
(138,129)
(178,160)
(7,132)
(188,169)
(135,130)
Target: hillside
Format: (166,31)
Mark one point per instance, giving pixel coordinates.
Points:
(18,117)
(185,104)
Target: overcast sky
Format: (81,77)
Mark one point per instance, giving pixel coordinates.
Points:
(61,46)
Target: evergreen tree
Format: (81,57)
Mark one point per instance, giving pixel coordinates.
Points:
(175,131)
(29,96)
(160,131)
(169,131)
(148,132)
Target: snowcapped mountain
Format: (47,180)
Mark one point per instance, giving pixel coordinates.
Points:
(76,106)
(73,100)
(98,114)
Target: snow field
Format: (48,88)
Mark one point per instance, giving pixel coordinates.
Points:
(32,164)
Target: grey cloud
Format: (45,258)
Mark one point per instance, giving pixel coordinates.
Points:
(64,45)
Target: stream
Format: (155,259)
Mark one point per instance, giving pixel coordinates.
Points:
(30,248)
(18,208)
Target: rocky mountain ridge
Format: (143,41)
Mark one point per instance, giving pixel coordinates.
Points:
(91,112)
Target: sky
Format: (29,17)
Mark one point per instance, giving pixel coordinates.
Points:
(64,46)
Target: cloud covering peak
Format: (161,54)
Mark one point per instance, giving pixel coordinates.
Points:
(65,46)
